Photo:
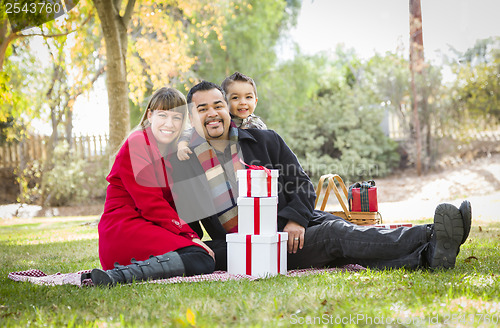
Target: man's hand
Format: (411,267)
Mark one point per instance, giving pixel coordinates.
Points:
(202,244)
(183,151)
(295,236)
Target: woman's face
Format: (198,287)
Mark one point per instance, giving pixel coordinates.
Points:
(166,125)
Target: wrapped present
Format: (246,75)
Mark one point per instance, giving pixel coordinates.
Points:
(362,197)
(257,181)
(258,216)
(257,255)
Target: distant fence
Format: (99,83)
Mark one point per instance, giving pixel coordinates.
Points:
(86,147)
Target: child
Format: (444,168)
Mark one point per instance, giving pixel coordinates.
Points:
(241,94)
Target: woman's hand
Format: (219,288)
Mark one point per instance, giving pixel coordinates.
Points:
(295,236)
(202,244)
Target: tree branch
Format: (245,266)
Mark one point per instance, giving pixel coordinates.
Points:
(79,91)
(128,12)
(58,34)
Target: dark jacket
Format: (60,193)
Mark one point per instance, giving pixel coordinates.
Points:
(296,193)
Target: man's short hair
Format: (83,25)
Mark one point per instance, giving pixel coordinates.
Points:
(237,76)
(203,86)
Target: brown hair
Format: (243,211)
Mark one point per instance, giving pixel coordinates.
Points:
(165,99)
(162,99)
(237,76)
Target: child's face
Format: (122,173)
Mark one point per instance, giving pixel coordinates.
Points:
(241,98)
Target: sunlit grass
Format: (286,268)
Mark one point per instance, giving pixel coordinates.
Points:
(405,298)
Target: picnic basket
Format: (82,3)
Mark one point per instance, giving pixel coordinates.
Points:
(359,218)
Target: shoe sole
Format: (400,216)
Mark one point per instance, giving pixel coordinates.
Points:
(449,230)
(101,278)
(466,211)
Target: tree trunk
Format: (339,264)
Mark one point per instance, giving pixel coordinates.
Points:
(114,28)
(416,66)
(69,126)
(5,39)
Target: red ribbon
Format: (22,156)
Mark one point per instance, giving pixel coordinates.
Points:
(249,254)
(249,185)
(279,253)
(256,216)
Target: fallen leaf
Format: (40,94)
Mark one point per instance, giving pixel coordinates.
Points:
(470,258)
(324,302)
(191,318)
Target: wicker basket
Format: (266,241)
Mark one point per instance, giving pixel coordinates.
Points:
(359,218)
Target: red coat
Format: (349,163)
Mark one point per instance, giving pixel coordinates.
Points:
(139,216)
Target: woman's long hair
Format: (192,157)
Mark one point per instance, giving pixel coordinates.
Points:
(165,99)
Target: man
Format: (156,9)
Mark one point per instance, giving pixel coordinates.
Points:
(315,238)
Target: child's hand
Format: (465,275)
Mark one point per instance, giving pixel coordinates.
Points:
(183,153)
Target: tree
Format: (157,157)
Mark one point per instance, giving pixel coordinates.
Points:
(159,50)
(160,42)
(114,26)
(338,129)
(247,42)
(416,66)
(476,90)
(180,43)
(13,102)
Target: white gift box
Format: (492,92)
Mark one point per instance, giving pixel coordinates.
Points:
(260,184)
(258,216)
(257,255)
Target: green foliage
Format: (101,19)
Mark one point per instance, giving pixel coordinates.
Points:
(340,133)
(29,181)
(337,127)
(64,182)
(71,180)
(247,42)
(477,87)
(21,75)
(287,88)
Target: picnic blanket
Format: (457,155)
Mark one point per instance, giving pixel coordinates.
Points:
(40,278)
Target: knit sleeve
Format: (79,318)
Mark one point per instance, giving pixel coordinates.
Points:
(253,122)
(186,135)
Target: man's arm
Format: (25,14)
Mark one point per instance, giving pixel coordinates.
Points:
(296,187)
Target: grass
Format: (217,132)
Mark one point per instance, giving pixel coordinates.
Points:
(467,296)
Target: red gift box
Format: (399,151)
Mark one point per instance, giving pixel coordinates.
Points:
(363,197)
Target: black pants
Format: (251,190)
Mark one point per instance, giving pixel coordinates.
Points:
(336,242)
(196,260)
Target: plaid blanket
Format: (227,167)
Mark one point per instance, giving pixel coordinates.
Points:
(40,278)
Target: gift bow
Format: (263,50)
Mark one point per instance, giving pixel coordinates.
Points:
(257,167)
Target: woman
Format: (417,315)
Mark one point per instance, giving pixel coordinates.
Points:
(139,218)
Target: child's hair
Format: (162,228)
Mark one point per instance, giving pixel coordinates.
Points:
(237,76)
(165,99)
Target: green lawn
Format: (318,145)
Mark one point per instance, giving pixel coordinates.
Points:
(467,296)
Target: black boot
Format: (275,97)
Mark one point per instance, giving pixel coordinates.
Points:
(466,211)
(447,236)
(156,267)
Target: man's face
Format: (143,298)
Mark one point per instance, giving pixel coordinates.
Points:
(210,115)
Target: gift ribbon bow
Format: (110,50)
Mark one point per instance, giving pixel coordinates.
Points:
(249,178)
